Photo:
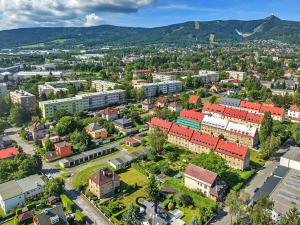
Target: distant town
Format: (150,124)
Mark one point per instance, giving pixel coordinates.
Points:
(153,135)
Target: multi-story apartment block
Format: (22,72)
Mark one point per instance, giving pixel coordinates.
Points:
(237,75)
(60,86)
(252,107)
(190,118)
(235,115)
(163,77)
(202,143)
(235,155)
(23,98)
(204,181)
(3,89)
(28,74)
(154,89)
(213,125)
(294,113)
(209,76)
(82,102)
(102,85)
(180,135)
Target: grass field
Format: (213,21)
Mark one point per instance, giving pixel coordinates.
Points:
(254,158)
(132,177)
(81,178)
(132,149)
(38,45)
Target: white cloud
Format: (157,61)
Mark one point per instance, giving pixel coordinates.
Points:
(28,13)
(92,20)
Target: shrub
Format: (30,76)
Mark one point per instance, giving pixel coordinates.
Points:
(18,211)
(171,206)
(31,206)
(186,200)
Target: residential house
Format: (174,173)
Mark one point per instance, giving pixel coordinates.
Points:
(162,102)
(132,142)
(195,100)
(294,113)
(104,183)
(110,114)
(51,216)
(123,123)
(204,181)
(23,98)
(96,131)
(163,125)
(9,153)
(175,107)
(63,148)
(15,193)
(215,88)
(230,102)
(147,104)
(38,130)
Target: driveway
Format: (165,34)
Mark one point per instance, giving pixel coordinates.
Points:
(12,133)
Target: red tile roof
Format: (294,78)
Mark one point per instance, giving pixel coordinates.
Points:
(162,100)
(231,149)
(275,111)
(205,140)
(210,107)
(109,111)
(175,104)
(192,115)
(8,153)
(181,132)
(254,118)
(201,174)
(294,108)
(194,99)
(25,216)
(104,176)
(132,140)
(236,113)
(161,124)
(250,105)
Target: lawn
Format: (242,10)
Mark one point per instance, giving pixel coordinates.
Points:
(132,149)
(81,178)
(131,177)
(254,158)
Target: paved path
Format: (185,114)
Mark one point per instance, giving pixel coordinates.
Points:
(12,133)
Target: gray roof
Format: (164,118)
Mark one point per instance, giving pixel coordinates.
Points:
(30,183)
(94,127)
(10,189)
(293,153)
(230,101)
(44,218)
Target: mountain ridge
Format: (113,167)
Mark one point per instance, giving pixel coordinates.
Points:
(189,32)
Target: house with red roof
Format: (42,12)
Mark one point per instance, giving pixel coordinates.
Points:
(252,107)
(204,181)
(180,135)
(132,142)
(190,118)
(294,113)
(237,156)
(215,88)
(163,125)
(202,143)
(9,153)
(162,102)
(110,114)
(195,100)
(276,112)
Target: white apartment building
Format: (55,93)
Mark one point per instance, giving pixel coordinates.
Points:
(82,102)
(294,113)
(28,74)
(154,89)
(3,89)
(45,67)
(102,85)
(163,77)
(216,122)
(237,74)
(241,129)
(59,86)
(208,76)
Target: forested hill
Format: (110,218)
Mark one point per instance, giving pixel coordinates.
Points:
(189,32)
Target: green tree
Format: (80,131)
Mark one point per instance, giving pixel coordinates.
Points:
(2,126)
(65,125)
(236,203)
(131,216)
(79,140)
(48,145)
(18,116)
(152,189)
(295,130)
(292,217)
(54,186)
(157,139)
(4,105)
(270,146)
(260,214)
(266,127)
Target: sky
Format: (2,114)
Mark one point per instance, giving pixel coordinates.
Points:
(137,13)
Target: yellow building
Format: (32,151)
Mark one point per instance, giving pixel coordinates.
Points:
(104,183)
(95,131)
